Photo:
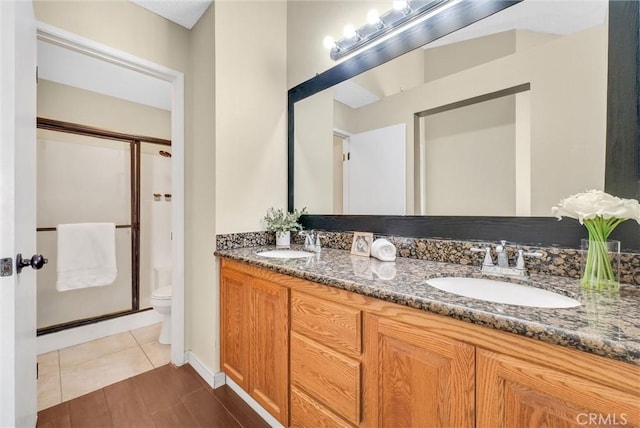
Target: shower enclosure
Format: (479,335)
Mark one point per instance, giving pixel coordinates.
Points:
(88,175)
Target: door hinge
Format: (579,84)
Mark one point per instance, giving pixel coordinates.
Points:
(346,156)
(6,266)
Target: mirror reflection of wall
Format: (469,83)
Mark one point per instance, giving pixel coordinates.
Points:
(480,139)
(558,141)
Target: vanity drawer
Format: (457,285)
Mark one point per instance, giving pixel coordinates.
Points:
(308,413)
(327,376)
(332,324)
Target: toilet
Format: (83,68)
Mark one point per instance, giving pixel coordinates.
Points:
(161,301)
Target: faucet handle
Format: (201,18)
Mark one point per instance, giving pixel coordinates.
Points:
(488,261)
(521,254)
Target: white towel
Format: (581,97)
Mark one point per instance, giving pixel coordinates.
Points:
(383,250)
(86,255)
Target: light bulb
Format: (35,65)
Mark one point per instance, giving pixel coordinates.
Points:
(400,5)
(373,17)
(349,31)
(328,42)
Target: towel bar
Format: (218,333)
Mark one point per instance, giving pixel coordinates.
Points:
(53,229)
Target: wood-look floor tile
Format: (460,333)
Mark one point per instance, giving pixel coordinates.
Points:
(55,417)
(155,391)
(183,380)
(90,410)
(207,410)
(126,405)
(176,416)
(245,415)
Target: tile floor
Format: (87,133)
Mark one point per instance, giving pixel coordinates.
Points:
(165,397)
(77,370)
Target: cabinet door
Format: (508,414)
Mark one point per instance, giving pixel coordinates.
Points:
(234,326)
(269,332)
(516,393)
(414,378)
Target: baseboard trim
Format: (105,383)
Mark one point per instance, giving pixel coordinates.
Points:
(253,404)
(216,380)
(86,333)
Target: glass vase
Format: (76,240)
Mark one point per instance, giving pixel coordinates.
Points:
(600,264)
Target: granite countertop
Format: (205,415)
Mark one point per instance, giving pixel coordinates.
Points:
(605,324)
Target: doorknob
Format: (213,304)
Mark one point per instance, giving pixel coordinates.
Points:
(36,262)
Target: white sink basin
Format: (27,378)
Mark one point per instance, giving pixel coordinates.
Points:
(503,292)
(285,254)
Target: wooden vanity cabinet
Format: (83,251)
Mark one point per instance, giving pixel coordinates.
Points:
(325,362)
(360,361)
(415,378)
(512,392)
(255,338)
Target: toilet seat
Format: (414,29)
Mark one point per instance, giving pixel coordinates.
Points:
(162,293)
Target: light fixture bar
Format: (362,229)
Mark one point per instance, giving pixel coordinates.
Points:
(390,21)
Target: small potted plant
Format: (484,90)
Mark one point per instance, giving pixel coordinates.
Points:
(282,223)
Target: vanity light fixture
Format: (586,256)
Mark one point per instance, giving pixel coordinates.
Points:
(402,13)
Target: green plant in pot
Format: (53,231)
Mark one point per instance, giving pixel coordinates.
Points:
(282,223)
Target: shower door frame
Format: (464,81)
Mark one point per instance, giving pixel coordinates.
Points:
(136,142)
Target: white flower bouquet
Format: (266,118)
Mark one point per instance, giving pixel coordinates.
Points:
(600,213)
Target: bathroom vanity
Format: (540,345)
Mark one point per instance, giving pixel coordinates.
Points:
(324,341)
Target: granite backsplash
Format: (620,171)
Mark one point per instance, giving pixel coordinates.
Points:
(564,262)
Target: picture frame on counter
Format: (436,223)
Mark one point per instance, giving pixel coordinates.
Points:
(361,244)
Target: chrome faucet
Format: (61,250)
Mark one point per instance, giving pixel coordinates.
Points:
(503,257)
(309,241)
(502,267)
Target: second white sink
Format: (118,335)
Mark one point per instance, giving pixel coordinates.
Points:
(285,254)
(503,292)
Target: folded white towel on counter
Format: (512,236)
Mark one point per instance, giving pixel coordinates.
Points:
(383,250)
(86,255)
(384,270)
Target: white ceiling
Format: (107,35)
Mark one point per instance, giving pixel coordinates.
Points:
(182,12)
(542,16)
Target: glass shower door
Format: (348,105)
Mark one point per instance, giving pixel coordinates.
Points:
(83,179)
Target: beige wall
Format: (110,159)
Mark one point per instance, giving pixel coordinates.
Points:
(313,152)
(201,299)
(251,112)
(62,102)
